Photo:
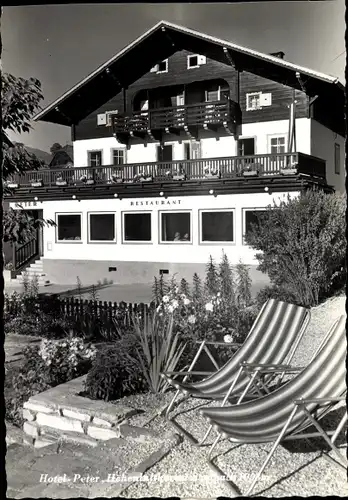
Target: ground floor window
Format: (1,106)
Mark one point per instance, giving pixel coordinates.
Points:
(251,216)
(175,227)
(137,226)
(102,227)
(68,227)
(217,226)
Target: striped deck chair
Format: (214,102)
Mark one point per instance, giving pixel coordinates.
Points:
(273,339)
(291,409)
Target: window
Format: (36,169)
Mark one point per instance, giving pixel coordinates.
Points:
(253,101)
(212,95)
(102,227)
(195,61)
(94,158)
(175,227)
(161,67)
(337,158)
(118,156)
(277,144)
(217,226)
(137,226)
(250,217)
(69,227)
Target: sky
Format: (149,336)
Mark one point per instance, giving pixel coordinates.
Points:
(61,44)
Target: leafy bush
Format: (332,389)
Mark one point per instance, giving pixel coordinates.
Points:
(303,245)
(116,371)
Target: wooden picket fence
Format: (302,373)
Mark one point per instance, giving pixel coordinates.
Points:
(109,315)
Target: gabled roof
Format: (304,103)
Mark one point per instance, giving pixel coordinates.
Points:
(162,41)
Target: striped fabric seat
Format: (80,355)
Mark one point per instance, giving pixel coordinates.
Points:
(272,339)
(320,385)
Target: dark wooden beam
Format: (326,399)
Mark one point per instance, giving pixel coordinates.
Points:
(169,38)
(232,60)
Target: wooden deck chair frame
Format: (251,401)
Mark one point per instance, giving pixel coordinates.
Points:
(298,404)
(254,390)
(303,383)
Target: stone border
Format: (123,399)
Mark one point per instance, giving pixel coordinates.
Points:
(60,413)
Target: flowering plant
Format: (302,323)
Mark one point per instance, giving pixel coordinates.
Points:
(66,359)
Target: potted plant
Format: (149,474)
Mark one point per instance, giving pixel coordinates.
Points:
(8,271)
(60,181)
(12,184)
(117,178)
(87,179)
(36,183)
(179,174)
(211,172)
(142,177)
(290,169)
(250,170)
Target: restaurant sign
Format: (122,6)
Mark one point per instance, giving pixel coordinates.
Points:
(152,203)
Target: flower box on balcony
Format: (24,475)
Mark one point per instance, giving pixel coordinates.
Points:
(117,179)
(12,185)
(288,171)
(142,178)
(250,173)
(38,183)
(61,182)
(212,175)
(179,177)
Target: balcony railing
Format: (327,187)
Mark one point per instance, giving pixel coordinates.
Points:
(191,115)
(205,168)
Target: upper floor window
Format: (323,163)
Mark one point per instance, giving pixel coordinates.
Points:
(337,158)
(118,156)
(161,67)
(94,158)
(277,144)
(253,101)
(195,61)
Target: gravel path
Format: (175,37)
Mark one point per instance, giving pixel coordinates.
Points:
(295,470)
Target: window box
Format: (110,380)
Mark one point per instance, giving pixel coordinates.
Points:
(12,185)
(250,170)
(87,180)
(117,178)
(176,174)
(211,172)
(179,177)
(36,183)
(141,177)
(292,170)
(61,182)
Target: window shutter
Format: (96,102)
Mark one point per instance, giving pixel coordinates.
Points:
(202,60)
(265,100)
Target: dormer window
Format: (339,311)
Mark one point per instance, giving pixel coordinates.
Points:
(195,61)
(161,67)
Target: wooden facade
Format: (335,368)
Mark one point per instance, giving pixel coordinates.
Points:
(238,83)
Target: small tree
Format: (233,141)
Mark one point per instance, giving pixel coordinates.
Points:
(302,244)
(243,288)
(185,287)
(197,288)
(226,279)
(212,277)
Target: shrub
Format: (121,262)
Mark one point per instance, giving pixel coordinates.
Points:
(211,278)
(303,245)
(116,371)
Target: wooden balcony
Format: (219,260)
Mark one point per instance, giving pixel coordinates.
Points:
(271,165)
(154,123)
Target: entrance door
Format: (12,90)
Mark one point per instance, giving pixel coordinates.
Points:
(165,155)
(246,147)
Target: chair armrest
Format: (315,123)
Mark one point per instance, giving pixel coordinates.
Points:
(211,342)
(185,373)
(271,368)
(319,400)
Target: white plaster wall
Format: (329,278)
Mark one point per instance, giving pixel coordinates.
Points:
(210,147)
(323,145)
(262,131)
(105,144)
(155,251)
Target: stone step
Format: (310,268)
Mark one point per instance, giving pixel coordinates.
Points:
(41,281)
(36,265)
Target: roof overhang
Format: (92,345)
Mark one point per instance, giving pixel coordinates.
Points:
(162,41)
